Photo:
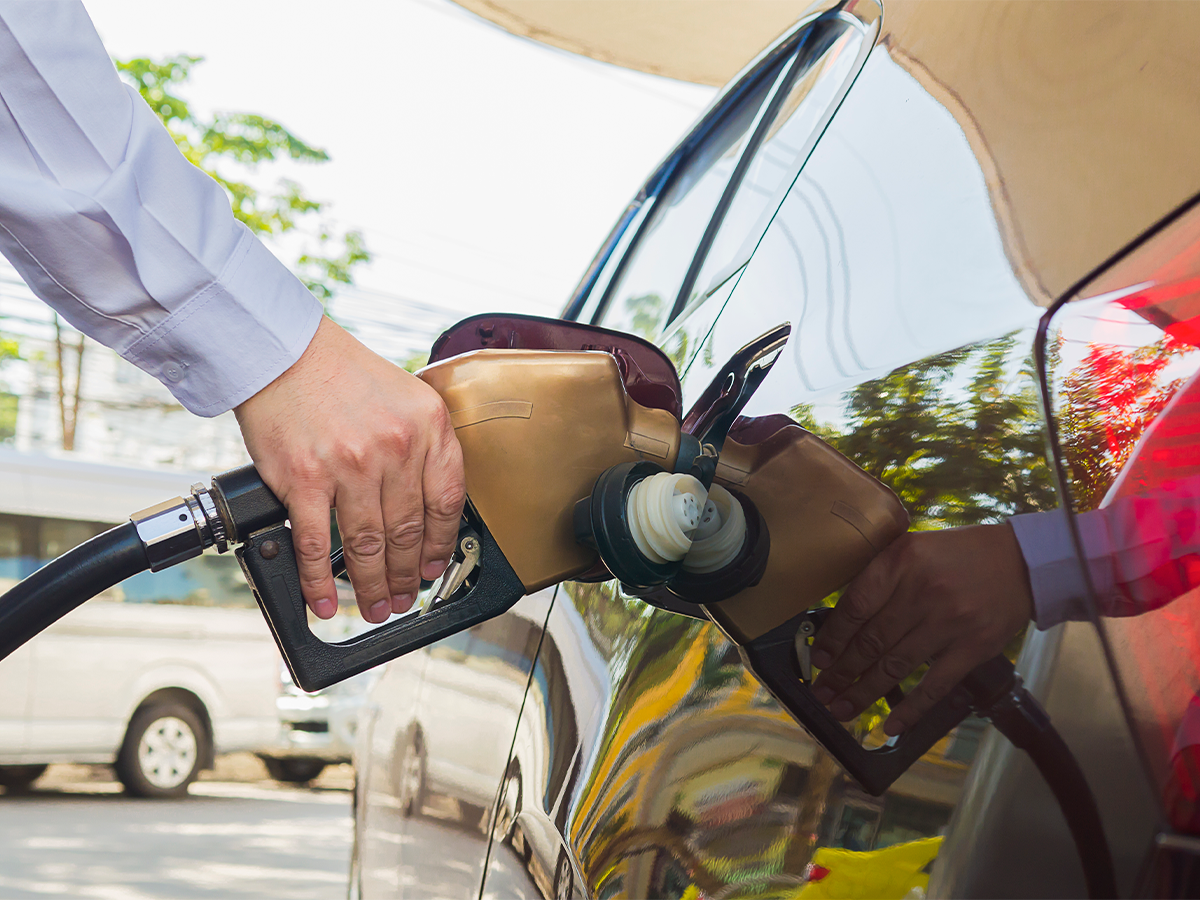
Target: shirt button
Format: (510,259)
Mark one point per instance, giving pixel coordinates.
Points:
(173,372)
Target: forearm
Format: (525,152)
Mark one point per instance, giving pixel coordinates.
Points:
(108,223)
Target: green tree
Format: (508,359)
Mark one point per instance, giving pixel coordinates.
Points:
(1106,402)
(229,147)
(9,350)
(957,443)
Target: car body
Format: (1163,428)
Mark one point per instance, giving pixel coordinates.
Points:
(181,655)
(928,193)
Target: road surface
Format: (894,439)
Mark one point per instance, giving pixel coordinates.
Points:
(81,837)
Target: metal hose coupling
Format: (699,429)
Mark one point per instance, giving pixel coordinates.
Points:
(180,528)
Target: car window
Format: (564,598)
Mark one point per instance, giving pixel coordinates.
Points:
(29,542)
(646,279)
(827,61)
(208,580)
(715,207)
(1122,367)
(876,259)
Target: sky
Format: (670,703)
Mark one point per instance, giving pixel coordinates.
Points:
(484,169)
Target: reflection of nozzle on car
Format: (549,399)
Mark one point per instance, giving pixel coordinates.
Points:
(673,518)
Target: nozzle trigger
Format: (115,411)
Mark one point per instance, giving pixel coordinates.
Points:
(804,650)
(459,569)
(810,624)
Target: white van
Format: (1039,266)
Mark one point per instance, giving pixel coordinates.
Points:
(157,675)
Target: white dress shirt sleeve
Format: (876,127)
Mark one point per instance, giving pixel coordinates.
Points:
(108,223)
(1142,552)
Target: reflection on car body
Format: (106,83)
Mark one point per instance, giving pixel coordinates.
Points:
(910,189)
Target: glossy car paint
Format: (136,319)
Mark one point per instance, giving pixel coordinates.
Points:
(985,157)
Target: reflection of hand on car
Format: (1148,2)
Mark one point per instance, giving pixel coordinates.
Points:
(955,597)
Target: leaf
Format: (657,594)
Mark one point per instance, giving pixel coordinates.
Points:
(231,148)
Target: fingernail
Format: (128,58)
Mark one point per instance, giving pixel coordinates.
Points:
(324,608)
(823,695)
(893,726)
(821,659)
(380,610)
(432,570)
(842,710)
(402,603)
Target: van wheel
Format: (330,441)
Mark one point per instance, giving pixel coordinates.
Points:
(16,779)
(162,750)
(411,789)
(297,770)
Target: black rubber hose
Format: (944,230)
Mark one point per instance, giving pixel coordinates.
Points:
(33,605)
(1026,724)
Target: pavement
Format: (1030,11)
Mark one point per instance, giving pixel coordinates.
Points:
(238,835)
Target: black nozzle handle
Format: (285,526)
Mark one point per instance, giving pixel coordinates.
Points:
(772,659)
(246,503)
(269,563)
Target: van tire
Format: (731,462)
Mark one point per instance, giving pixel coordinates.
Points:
(162,751)
(410,777)
(17,779)
(293,770)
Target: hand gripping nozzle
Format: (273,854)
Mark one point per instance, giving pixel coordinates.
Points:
(480,584)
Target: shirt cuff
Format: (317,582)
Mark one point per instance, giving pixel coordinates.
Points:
(1056,575)
(235,336)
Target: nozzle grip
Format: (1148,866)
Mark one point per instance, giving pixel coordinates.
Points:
(772,659)
(315,664)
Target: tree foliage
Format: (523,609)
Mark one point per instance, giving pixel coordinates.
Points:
(228,146)
(9,350)
(958,436)
(1107,402)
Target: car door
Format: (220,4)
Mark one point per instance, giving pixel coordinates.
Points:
(675,774)
(1121,364)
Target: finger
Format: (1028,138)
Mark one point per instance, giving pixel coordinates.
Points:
(360,521)
(309,515)
(861,600)
(874,641)
(403,529)
(888,671)
(945,673)
(444,490)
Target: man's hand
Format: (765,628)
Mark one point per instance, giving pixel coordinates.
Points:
(955,597)
(346,429)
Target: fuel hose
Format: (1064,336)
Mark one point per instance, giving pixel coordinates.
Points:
(70,580)
(154,538)
(1016,714)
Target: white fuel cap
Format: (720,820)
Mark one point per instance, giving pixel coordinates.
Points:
(663,511)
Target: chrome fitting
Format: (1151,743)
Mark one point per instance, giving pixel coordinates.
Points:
(180,528)
(214,532)
(169,532)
